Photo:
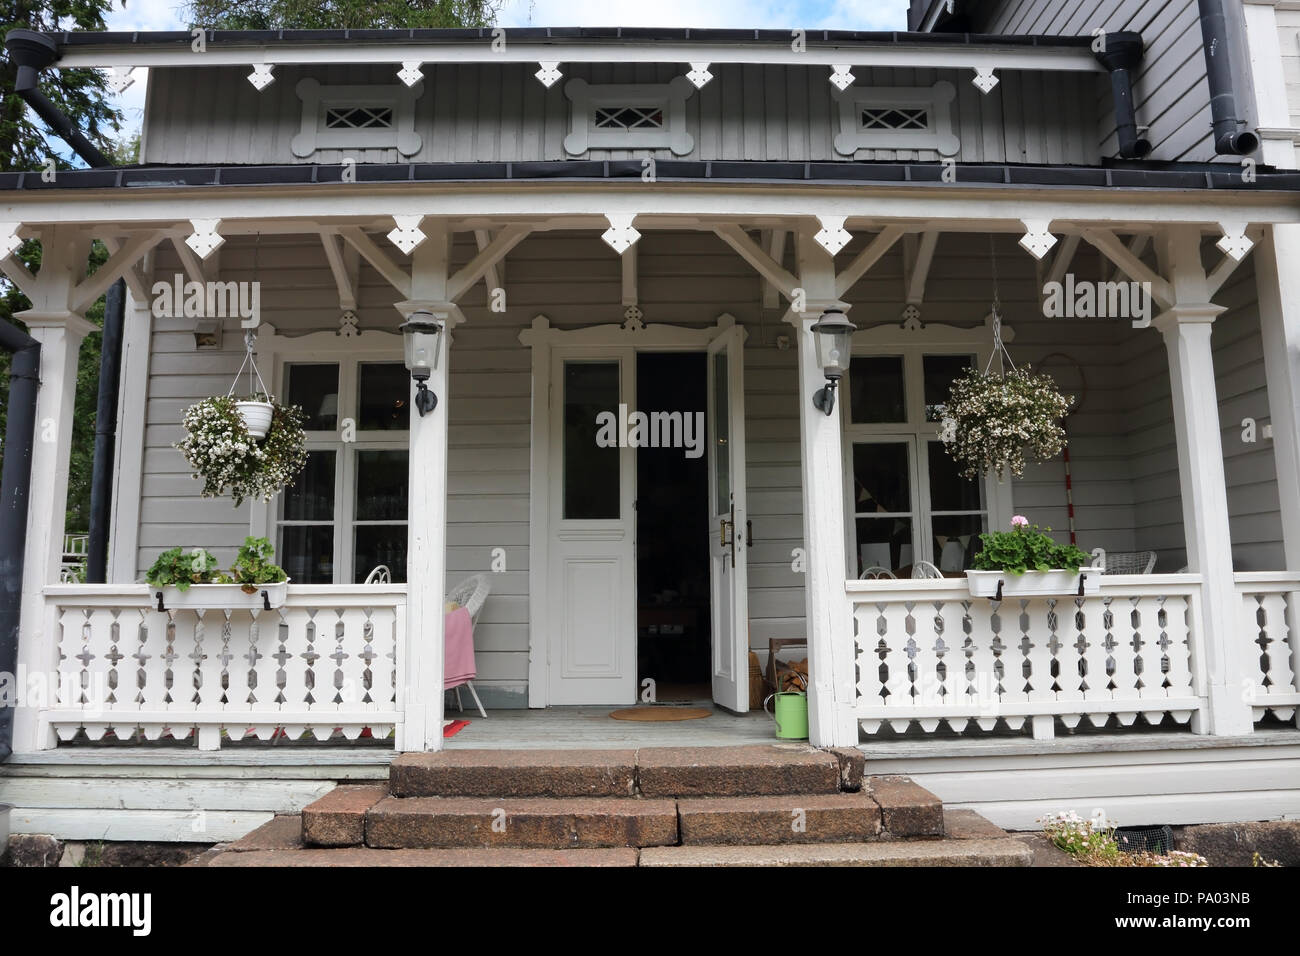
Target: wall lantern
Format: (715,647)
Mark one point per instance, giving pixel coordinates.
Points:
(420,332)
(834,341)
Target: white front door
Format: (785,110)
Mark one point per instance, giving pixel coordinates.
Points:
(728,527)
(592,606)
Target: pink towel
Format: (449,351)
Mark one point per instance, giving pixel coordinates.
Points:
(458,656)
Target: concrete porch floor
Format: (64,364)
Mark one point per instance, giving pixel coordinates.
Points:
(591,728)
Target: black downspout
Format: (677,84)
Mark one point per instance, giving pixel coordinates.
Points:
(1229,139)
(1121,55)
(33,52)
(110,367)
(15,484)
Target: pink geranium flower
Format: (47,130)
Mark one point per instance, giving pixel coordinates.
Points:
(1019,521)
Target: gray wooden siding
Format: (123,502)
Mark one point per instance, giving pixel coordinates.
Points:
(1172,95)
(1123,455)
(493,112)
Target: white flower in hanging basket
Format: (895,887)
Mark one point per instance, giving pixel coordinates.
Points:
(999,419)
(222,449)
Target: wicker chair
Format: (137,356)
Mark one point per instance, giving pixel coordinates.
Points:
(1129,562)
(876,573)
(924,569)
(471,594)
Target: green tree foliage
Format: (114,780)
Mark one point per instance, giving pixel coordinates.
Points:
(340,14)
(25,144)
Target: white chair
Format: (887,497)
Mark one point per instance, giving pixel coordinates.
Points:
(380,575)
(876,573)
(1129,562)
(924,569)
(471,594)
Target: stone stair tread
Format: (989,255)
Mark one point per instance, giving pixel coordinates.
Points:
(784,818)
(514,773)
(451,857)
(1007,851)
(751,770)
(544,822)
(338,818)
(907,809)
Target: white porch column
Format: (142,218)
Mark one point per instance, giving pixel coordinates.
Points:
(1278,281)
(60,331)
(1186,328)
(426,553)
(832,681)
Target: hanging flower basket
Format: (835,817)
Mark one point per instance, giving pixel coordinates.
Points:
(992,421)
(224,453)
(257,417)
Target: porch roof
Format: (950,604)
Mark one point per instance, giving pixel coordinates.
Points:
(577,44)
(1145,176)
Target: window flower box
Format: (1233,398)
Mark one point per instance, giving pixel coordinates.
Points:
(222,596)
(1002,584)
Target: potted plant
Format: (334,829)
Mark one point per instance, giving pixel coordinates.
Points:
(194,580)
(991,420)
(225,452)
(1027,561)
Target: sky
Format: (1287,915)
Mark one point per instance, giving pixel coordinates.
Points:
(807,14)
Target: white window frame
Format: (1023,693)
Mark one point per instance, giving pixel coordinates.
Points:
(912,341)
(316,98)
(348,352)
(585,98)
(936,100)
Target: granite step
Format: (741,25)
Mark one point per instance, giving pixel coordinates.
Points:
(534,822)
(757,770)
(514,773)
(1006,851)
(462,857)
(788,818)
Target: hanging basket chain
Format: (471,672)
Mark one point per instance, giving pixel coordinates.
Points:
(250,340)
(999,350)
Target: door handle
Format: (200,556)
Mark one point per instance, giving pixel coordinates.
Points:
(749,533)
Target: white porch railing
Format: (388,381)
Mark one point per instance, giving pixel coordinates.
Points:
(929,652)
(328,660)
(1270,601)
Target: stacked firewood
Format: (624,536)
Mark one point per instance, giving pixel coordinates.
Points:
(794,676)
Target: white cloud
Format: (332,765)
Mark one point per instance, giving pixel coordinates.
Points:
(769,14)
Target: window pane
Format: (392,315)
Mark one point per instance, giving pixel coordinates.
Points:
(720,421)
(880,477)
(939,372)
(378,544)
(878,393)
(382,479)
(315,389)
(885,543)
(307,553)
(956,540)
(591,486)
(311,496)
(949,491)
(383,390)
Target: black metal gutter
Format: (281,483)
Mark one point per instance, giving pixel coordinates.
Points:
(15,486)
(33,52)
(1229,138)
(1145,175)
(595,35)
(1121,54)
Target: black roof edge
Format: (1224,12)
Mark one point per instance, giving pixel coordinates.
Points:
(81,39)
(1174,176)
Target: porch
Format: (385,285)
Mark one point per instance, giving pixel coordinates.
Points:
(1209,651)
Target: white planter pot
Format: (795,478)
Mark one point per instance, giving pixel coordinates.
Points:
(257,416)
(205,596)
(1056,583)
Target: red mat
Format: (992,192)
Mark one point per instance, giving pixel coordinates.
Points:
(452,727)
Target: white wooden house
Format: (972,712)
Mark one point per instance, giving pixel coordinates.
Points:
(575,204)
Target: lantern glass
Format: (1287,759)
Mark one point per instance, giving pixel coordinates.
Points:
(834,343)
(420,333)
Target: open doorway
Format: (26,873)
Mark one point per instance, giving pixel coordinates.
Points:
(672,551)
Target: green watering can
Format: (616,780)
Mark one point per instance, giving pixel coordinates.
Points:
(791,714)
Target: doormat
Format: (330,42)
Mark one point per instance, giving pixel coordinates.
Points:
(655,714)
(450,728)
